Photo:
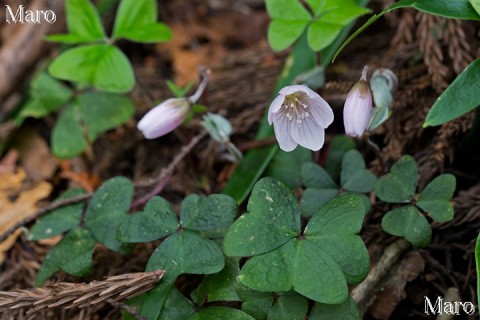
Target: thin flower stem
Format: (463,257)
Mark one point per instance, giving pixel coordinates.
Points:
(376,150)
(204,72)
(167,172)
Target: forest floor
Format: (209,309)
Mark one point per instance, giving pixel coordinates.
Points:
(229,37)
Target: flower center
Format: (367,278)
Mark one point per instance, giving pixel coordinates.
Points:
(295,108)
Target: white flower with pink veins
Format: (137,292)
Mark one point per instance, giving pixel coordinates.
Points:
(300,117)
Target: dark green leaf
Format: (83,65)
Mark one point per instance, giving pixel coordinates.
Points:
(343,311)
(289,307)
(283,269)
(103,111)
(407,222)
(107,210)
(220,313)
(68,137)
(59,220)
(333,229)
(342,215)
(338,147)
(272,219)
(314,176)
(287,166)
(459,98)
(272,271)
(46,95)
(186,252)
(136,20)
(435,198)
(73,254)
(151,303)
(255,303)
(177,307)
(207,213)
(102,66)
(156,221)
(399,185)
(314,199)
(219,286)
(354,176)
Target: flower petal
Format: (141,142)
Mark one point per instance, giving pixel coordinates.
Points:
(298,88)
(309,134)
(363,110)
(282,127)
(275,107)
(321,111)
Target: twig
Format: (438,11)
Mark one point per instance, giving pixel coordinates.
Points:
(167,172)
(363,293)
(40,212)
(79,295)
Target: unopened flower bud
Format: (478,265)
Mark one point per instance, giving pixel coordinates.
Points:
(164,118)
(358,107)
(170,114)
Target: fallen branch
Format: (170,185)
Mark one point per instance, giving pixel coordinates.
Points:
(363,294)
(78,295)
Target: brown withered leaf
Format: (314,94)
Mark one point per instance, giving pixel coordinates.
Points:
(17,202)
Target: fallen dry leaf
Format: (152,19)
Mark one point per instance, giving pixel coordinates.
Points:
(17,203)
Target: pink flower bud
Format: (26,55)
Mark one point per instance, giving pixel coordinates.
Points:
(358,107)
(164,118)
(300,117)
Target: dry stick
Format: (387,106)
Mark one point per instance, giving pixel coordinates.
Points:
(363,294)
(40,212)
(166,173)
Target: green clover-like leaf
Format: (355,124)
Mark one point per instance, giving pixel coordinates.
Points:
(136,20)
(409,223)
(436,198)
(354,177)
(220,313)
(83,22)
(102,66)
(156,221)
(73,254)
(333,226)
(273,218)
(345,310)
(107,210)
(186,252)
(60,220)
(289,306)
(207,213)
(219,286)
(399,185)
